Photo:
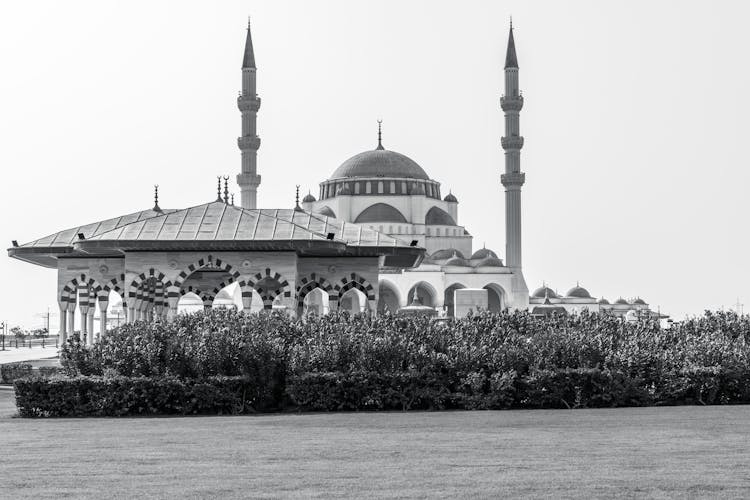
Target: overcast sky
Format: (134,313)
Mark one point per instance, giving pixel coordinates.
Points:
(635,119)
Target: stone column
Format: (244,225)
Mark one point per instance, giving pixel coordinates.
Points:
(71,318)
(63,334)
(102,318)
(247,299)
(90,329)
(173,302)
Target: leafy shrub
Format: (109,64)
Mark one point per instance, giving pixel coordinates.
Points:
(485,361)
(11,371)
(121,396)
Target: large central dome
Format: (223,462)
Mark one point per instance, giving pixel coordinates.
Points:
(380,163)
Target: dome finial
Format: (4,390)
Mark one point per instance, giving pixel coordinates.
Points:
(380,135)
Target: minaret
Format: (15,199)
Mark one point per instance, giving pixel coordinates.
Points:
(512,142)
(249,103)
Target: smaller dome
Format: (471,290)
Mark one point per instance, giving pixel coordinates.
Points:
(457,261)
(483,253)
(603,301)
(639,301)
(446,253)
(578,292)
(309,198)
(544,292)
(489,262)
(622,302)
(450,198)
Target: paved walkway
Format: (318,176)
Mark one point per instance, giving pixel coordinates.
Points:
(13,355)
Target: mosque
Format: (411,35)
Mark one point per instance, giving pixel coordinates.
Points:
(379,237)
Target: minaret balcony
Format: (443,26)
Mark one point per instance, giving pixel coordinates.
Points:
(512,142)
(248,102)
(513,179)
(249,180)
(248,142)
(511,103)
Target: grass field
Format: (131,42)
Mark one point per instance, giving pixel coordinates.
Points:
(633,452)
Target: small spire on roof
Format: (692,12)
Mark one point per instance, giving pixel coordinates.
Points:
(226,189)
(380,135)
(218,188)
(156,199)
(297,208)
(232,199)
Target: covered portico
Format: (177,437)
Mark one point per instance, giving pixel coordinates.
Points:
(152,258)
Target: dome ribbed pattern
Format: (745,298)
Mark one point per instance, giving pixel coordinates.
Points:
(380,163)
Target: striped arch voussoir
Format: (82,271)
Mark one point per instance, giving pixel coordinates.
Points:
(70,290)
(309,283)
(200,263)
(354,281)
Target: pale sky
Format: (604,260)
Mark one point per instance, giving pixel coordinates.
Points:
(635,120)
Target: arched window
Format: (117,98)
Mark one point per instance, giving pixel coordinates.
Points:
(368,187)
(380,212)
(380,187)
(356,188)
(437,216)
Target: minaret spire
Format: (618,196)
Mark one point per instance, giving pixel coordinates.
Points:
(513,179)
(511,61)
(249,103)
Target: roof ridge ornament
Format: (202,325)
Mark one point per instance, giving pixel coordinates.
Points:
(226,189)
(156,199)
(380,136)
(218,188)
(297,208)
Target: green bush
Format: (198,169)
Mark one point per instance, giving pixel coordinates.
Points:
(84,396)
(12,371)
(484,361)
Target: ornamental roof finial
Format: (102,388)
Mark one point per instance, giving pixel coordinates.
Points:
(218,188)
(380,135)
(156,199)
(226,189)
(297,208)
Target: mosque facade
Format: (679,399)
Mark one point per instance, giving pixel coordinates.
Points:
(381,235)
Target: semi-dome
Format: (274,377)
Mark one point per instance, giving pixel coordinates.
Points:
(446,253)
(457,261)
(489,262)
(578,292)
(544,292)
(380,163)
(483,253)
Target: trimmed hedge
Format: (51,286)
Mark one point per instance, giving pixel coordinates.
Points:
(84,396)
(12,371)
(571,388)
(342,362)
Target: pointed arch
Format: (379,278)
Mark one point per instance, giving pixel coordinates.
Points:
(309,283)
(268,285)
(380,212)
(353,281)
(209,260)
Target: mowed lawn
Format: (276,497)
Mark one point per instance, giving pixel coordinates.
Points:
(630,452)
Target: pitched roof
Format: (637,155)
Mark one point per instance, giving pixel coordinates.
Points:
(217,225)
